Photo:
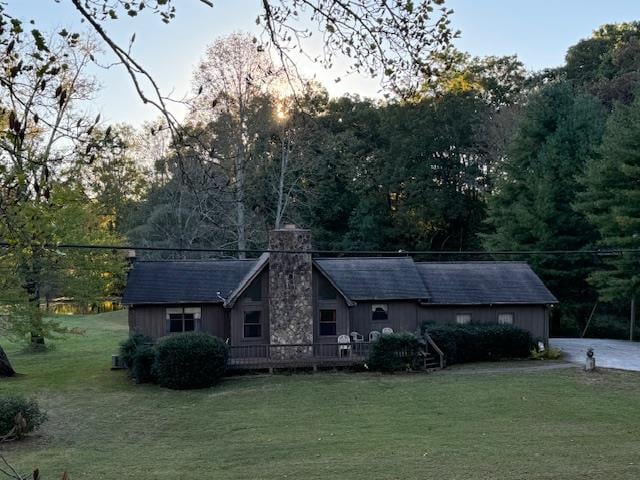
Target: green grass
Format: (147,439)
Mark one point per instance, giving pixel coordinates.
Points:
(448,425)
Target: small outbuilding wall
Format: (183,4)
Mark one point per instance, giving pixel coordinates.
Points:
(151,320)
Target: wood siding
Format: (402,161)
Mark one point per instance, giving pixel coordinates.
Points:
(534,318)
(339,305)
(151,320)
(401,316)
(245,304)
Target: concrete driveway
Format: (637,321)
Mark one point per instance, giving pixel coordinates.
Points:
(618,354)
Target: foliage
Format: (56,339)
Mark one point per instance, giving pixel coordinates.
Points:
(129,347)
(549,353)
(143,364)
(10,406)
(611,326)
(396,352)
(478,343)
(36,273)
(611,203)
(531,207)
(190,360)
(607,64)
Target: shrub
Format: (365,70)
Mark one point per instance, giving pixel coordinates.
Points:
(394,352)
(477,343)
(128,349)
(549,353)
(190,360)
(609,326)
(143,364)
(10,405)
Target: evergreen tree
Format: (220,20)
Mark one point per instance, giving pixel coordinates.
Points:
(611,201)
(531,206)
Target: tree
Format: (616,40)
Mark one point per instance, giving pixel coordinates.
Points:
(43,135)
(33,274)
(231,108)
(184,207)
(6,370)
(611,201)
(537,184)
(607,64)
(115,178)
(397,41)
(279,189)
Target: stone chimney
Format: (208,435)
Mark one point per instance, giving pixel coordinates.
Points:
(290,294)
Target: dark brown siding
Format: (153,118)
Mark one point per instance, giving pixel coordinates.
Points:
(534,318)
(339,305)
(150,320)
(402,316)
(245,304)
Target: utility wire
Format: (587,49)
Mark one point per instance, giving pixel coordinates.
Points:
(394,253)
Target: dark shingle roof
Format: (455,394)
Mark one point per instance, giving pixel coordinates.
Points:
(469,283)
(375,278)
(183,281)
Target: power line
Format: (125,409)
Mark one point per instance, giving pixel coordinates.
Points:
(394,253)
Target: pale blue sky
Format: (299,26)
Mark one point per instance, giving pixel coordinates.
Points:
(538,31)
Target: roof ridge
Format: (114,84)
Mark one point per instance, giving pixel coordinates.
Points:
(206,260)
(399,257)
(523,262)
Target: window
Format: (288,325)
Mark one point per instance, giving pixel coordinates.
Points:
(325,289)
(252,324)
(183,319)
(505,318)
(379,312)
(463,318)
(254,292)
(327,322)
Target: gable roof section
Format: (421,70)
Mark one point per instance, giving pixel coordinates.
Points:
(183,281)
(249,277)
(481,283)
(391,278)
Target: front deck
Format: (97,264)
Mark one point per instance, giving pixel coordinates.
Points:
(310,355)
(316,355)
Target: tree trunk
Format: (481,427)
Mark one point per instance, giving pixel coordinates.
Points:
(633,317)
(6,370)
(240,212)
(280,204)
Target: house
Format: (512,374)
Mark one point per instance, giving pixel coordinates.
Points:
(290,305)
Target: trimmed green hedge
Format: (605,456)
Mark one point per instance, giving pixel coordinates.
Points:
(396,352)
(128,349)
(190,360)
(10,405)
(143,365)
(479,343)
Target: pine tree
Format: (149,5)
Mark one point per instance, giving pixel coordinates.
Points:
(532,205)
(611,201)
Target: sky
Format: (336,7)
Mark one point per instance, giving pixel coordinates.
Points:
(538,31)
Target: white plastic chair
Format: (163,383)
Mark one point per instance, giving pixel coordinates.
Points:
(344,345)
(387,330)
(356,337)
(373,336)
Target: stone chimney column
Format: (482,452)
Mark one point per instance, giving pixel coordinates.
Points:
(290,293)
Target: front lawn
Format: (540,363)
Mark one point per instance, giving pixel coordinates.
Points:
(508,425)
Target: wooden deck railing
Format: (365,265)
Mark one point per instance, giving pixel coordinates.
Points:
(294,355)
(297,355)
(429,343)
